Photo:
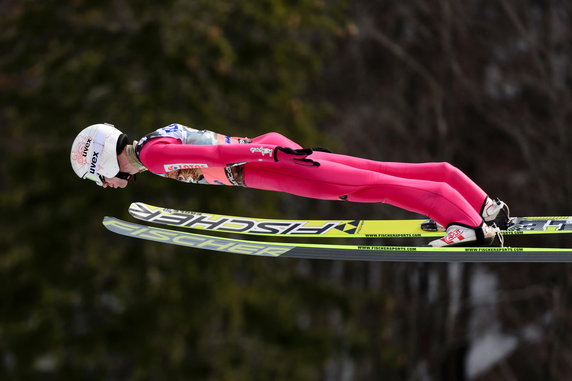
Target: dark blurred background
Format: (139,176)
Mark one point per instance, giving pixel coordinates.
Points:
(485,85)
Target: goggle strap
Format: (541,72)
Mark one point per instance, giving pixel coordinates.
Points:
(125,176)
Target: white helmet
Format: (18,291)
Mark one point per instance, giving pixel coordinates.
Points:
(94,152)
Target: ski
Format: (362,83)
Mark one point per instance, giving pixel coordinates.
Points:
(336,252)
(325,228)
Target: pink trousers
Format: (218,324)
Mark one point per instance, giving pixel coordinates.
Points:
(437,190)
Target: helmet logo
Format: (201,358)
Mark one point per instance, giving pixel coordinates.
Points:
(94,160)
(79,154)
(86,148)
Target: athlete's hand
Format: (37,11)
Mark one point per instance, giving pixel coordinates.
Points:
(298,156)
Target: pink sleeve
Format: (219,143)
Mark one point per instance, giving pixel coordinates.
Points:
(160,154)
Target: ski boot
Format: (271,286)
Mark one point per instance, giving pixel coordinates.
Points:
(461,235)
(493,212)
(496,212)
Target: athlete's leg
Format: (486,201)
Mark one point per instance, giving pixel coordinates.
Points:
(332,181)
(439,172)
(435,172)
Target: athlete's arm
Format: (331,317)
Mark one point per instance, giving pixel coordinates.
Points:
(160,153)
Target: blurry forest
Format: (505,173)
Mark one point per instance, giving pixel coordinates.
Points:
(485,85)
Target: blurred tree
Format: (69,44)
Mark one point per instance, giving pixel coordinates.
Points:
(485,85)
(78,303)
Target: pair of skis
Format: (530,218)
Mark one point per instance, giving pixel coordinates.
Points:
(331,229)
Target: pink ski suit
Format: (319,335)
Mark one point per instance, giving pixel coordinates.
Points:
(437,190)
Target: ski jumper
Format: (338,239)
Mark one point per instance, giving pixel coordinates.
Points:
(437,190)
